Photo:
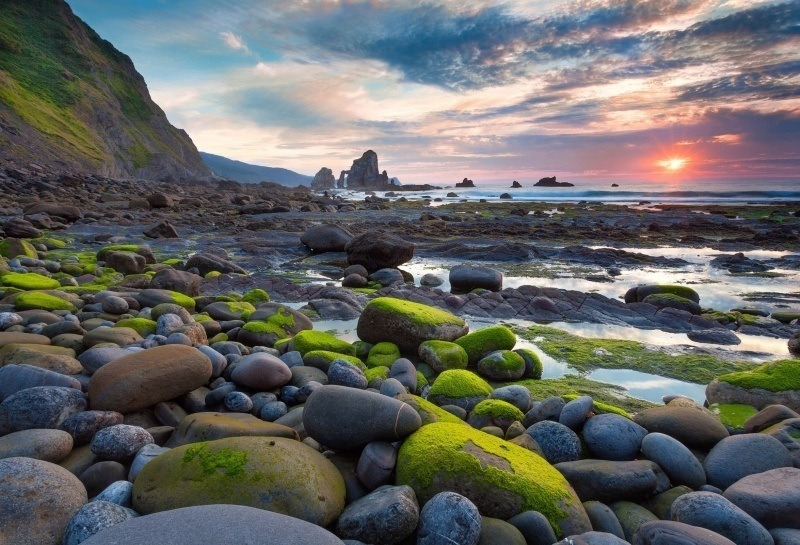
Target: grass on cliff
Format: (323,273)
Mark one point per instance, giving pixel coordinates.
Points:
(585,355)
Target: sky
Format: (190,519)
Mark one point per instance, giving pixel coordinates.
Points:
(494,91)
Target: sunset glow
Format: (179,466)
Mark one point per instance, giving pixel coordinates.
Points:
(674,163)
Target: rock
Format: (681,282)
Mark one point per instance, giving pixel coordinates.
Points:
(558,442)
(631,516)
(52,358)
(162,230)
(209,426)
(771,497)
(387,277)
(159,200)
(714,512)
(387,515)
(485,341)
(502,366)
(691,426)
(459,387)
(603,518)
(500,478)
(346,418)
(216,524)
(120,443)
(718,335)
(675,459)
(549,409)
(40,407)
(118,492)
(794,344)
(592,538)
(671,301)
(180,281)
(125,262)
(640,293)
(378,251)
(325,237)
(766,417)
(261,371)
(607,481)
(39,499)
(534,527)
(251,471)
(774,382)
(206,263)
(407,324)
(785,536)
(47,445)
(741,455)
(449,518)
(613,437)
(667,532)
(93,518)
(94,358)
(465,278)
(344,373)
(515,394)
(83,426)
(499,532)
(324,179)
(143,457)
(14,378)
(98,476)
(431,280)
(376,464)
(121,336)
(145,378)
(575,412)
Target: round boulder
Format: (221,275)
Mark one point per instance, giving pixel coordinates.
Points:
(449,518)
(741,455)
(387,515)
(613,437)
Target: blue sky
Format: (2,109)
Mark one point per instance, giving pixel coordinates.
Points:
(494,91)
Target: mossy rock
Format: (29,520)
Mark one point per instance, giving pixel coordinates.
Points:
(459,387)
(670,300)
(322,359)
(142,326)
(272,473)
(428,412)
(484,341)
(785,316)
(502,365)
(772,383)
(29,281)
(229,310)
(407,324)
(500,478)
(37,300)
(310,341)
(265,333)
(256,296)
(733,415)
(599,407)
(639,293)
(362,349)
(50,243)
(373,373)
(383,355)
(143,251)
(533,364)
(14,247)
(443,355)
(153,297)
(494,412)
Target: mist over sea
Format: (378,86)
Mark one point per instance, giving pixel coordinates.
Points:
(668,192)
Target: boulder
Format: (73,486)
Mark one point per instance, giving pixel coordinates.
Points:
(500,478)
(667,532)
(325,237)
(272,473)
(459,387)
(774,382)
(738,456)
(47,445)
(485,341)
(180,281)
(40,407)
(714,512)
(94,517)
(145,378)
(771,497)
(407,324)
(449,518)
(206,263)
(558,442)
(387,515)
(261,371)
(14,378)
(675,459)
(465,278)
(613,437)
(208,426)
(694,427)
(607,481)
(378,251)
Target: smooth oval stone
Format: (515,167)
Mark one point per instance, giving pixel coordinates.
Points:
(557,441)
(93,518)
(675,459)
(741,455)
(121,336)
(40,407)
(96,357)
(84,425)
(716,513)
(261,371)
(38,500)
(613,437)
(449,518)
(631,516)
(549,409)
(272,473)
(218,524)
(575,413)
(119,492)
(100,475)
(667,532)
(593,538)
(53,358)
(145,378)
(771,497)
(387,515)
(499,532)
(405,372)
(209,426)
(120,443)
(346,418)
(534,527)
(517,395)
(376,464)
(343,373)
(785,536)
(607,481)
(48,445)
(694,427)
(603,518)
(143,457)
(768,416)
(14,378)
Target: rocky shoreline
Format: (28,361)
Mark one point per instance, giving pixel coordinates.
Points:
(156,384)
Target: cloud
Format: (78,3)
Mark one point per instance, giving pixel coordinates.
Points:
(234,42)
(772,82)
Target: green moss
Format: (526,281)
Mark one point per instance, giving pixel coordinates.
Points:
(142,326)
(773,376)
(362,349)
(376,372)
(533,364)
(18,248)
(503,360)
(230,462)
(172,261)
(447,456)
(365,291)
(429,412)
(416,312)
(256,296)
(484,341)
(383,354)
(497,408)
(587,354)
(680,291)
(132,248)
(218,338)
(29,281)
(38,300)
(241,308)
(308,341)
(602,392)
(183,300)
(785,316)
(733,415)
(50,242)
(317,358)
(443,355)
(212,274)
(459,383)
(140,156)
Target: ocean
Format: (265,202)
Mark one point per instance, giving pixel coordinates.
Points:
(694,192)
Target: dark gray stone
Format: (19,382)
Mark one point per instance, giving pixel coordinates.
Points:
(517,395)
(405,372)
(549,409)
(667,532)
(613,437)
(593,538)
(603,518)
(96,357)
(558,442)
(772,497)
(675,459)
(40,407)
(449,518)
(607,481)
(575,413)
(84,425)
(120,443)
(344,373)
(716,513)
(387,515)
(741,455)
(93,518)
(534,527)
(261,371)
(14,378)
(119,492)
(465,278)
(273,410)
(238,402)
(785,536)
(717,335)
(376,464)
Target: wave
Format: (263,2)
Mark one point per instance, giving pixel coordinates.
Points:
(683,194)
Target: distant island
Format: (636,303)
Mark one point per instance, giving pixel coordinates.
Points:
(551,182)
(466,182)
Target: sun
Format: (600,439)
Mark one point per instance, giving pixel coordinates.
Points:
(674,163)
